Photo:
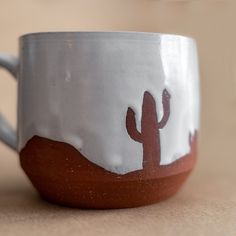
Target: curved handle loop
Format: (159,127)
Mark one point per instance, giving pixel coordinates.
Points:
(7,134)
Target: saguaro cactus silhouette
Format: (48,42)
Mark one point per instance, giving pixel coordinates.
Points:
(150,128)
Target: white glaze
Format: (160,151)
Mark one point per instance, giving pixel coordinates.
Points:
(77,90)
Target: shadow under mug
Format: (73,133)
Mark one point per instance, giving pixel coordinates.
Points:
(105,119)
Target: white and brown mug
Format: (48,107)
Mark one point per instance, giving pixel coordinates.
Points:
(105,119)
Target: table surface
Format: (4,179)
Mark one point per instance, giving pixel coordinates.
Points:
(206,205)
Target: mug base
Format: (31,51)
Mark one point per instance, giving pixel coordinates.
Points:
(63,176)
(116,196)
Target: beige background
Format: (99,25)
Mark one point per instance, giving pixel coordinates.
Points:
(207,203)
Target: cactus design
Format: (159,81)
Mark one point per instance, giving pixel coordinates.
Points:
(150,134)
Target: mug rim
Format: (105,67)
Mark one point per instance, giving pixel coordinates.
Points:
(57,35)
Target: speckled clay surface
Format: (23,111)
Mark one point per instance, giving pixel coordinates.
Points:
(63,176)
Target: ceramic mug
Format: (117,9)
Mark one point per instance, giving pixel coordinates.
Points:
(105,119)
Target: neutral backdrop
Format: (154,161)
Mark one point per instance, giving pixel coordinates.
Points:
(207,203)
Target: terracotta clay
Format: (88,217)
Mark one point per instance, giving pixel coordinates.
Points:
(150,134)
(63,175)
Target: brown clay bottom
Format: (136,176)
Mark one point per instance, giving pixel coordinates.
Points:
(62,175)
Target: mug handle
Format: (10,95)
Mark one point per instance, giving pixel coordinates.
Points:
(7,134)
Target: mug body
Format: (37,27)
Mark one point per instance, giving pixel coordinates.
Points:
(107,119)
